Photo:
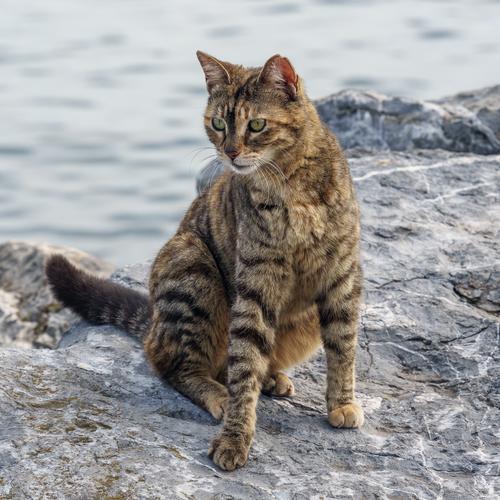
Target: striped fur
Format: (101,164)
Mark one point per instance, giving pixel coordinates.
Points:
(97,300)
(263,268)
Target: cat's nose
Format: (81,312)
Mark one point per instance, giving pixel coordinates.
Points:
(232,153)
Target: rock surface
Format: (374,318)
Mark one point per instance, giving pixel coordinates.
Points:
(467,122)
(29,314)
(484,103)
(90,420)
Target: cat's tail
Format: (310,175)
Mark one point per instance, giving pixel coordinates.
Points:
(97,300)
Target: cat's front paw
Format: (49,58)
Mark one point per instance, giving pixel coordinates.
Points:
(349,415)
(228,453)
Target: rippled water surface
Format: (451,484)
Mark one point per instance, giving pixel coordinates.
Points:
(101,101)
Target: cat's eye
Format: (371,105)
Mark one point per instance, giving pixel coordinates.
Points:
(218,124)
(257,124)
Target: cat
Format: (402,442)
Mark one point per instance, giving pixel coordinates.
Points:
(263,269)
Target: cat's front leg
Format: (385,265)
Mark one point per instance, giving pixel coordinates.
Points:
(251,344)
(260,289)
(338,308)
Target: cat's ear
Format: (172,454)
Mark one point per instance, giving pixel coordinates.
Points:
(279,73)
(216,72)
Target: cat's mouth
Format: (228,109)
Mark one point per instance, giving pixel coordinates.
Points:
(243,169)
(241,166)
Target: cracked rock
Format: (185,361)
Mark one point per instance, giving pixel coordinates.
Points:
(479,287)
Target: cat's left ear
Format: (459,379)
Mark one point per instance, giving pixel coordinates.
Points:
(279,72)
(216,72)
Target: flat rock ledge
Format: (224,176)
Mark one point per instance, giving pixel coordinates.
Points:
(90,420)
(29,314)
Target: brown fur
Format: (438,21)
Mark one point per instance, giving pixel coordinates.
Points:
(265,263)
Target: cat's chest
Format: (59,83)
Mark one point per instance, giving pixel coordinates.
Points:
(307,224)
(293,221)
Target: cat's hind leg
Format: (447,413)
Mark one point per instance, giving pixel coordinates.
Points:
(278,384)
(297,339)
(187,341)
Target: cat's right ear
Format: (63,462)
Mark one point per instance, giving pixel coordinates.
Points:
(216,72)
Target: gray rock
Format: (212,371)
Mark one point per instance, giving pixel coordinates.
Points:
(467,122)
(484,103)
(90,420)
(29,314)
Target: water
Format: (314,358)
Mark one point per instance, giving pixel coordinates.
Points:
(101,101)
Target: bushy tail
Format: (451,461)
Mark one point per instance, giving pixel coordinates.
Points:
(97,300)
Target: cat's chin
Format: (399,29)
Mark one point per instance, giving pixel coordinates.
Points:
(243,170)
(240,169)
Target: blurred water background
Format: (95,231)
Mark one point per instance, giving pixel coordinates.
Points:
(101,101)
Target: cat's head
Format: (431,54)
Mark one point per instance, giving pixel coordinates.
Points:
(254,116)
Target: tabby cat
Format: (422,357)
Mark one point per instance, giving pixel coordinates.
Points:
(264,266)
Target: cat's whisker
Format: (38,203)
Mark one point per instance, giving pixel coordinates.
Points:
(213,175)
(192,164)
(197,152)
(274,164)
(275,168)
(261,174)
(272,185)
(275,173)
(268,186)
(209,157)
